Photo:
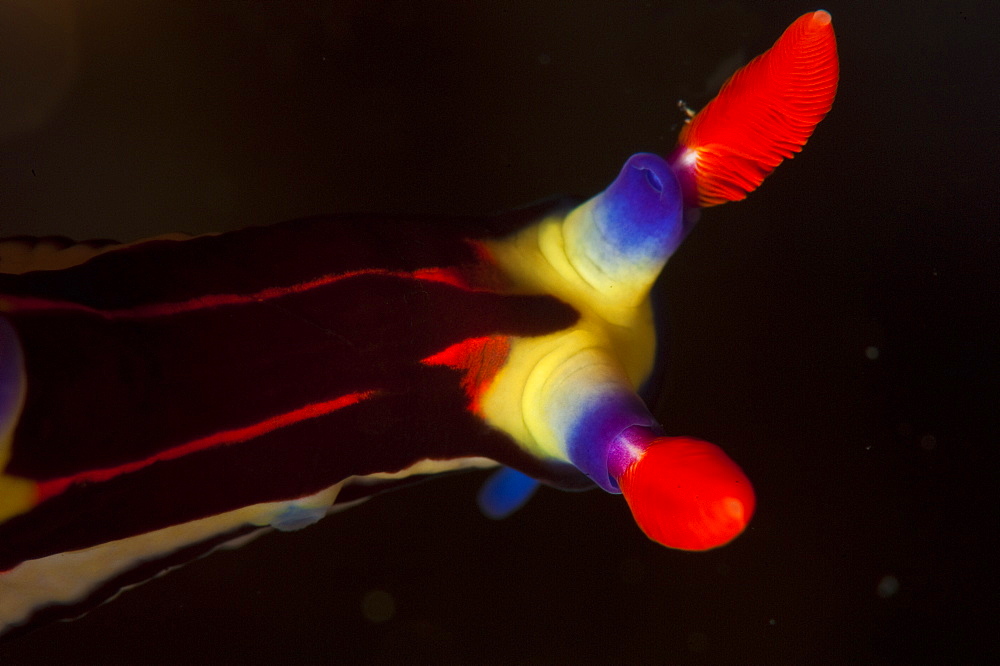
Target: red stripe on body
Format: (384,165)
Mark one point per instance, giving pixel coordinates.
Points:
(51,488)
(480,358)
(12,303)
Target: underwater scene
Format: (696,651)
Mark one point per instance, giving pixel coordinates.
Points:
(713,283)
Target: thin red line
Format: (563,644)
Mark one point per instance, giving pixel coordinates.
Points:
(14,303)
(47,489)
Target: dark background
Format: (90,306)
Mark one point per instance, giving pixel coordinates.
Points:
(127,119)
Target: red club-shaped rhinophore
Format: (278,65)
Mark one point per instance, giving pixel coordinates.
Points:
(687,494)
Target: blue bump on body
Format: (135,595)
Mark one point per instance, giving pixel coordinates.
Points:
(506,491)
(295,517)
(11,373)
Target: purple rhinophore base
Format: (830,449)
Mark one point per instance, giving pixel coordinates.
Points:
(628,447)
(611,427)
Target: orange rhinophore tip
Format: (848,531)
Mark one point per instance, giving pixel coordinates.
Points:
(685,493)
(762,115)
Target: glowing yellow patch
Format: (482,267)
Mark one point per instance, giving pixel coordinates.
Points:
(614,339)
(17,495)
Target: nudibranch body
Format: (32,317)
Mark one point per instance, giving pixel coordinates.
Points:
(163,398)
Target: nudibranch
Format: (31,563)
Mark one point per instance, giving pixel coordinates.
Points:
(162,398)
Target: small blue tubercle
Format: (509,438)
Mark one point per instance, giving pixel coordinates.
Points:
(506,491)
(296,516)
(11,376)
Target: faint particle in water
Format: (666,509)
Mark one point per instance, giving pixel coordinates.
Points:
(772,621)
(633,572)
(544,59)
(378,606)
(871,352)
(697,641)
(39,60)
(726,68)
(887,587)
(928,442)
